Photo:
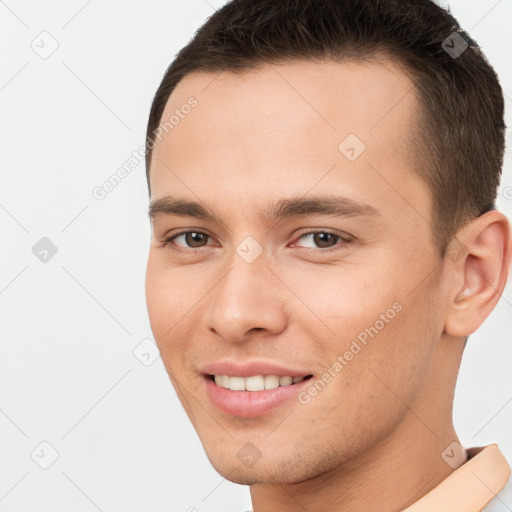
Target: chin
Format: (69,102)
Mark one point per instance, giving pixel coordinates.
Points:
(292,469)
(252,476)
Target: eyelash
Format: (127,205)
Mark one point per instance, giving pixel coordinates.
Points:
(168,242)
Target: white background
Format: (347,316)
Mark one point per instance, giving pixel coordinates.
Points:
(68,374)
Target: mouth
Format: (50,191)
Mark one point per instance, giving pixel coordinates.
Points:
(255,395)
(256,383)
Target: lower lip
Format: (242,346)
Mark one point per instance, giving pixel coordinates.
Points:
(250,404)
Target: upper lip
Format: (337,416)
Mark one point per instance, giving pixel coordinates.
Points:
(250,368)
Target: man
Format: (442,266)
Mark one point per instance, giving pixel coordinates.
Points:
(322,178)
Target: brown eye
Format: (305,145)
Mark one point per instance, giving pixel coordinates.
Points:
(321,240)
(325,239)
(194,239)
(187,240)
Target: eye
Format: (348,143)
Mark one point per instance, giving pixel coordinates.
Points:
(323,240)
(190,240)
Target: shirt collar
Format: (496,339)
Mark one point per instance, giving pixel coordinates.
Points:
(471,486)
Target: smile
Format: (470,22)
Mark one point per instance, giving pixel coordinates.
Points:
(255,382)
(252,396)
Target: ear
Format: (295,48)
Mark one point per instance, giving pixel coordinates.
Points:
(478,260)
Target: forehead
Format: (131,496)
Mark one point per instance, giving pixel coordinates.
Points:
(289,128)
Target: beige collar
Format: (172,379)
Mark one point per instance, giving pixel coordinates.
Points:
(471,486)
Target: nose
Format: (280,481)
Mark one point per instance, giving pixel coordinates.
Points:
(249,298)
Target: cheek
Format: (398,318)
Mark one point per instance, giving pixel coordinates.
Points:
(380,340)
(342,303)
(164,300)
(157,301)
(374,383)
(175,299)
(169,304)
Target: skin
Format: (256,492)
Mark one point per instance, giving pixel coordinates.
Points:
(372,438)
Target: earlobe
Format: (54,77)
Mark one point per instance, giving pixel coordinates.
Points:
(479,277)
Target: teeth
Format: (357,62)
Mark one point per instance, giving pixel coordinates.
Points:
(271,381)
(237,383)
(255,382)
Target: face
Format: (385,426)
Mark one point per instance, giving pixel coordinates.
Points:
(307,258)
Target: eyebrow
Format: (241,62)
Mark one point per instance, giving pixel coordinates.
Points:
(336,206)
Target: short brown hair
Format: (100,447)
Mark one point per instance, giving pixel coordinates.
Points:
(461,140)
